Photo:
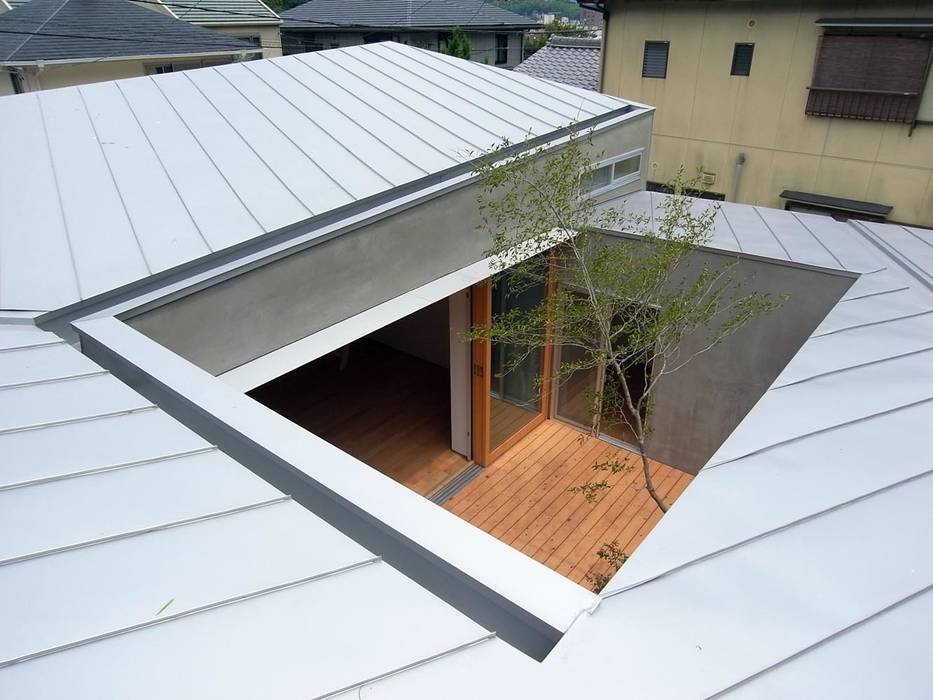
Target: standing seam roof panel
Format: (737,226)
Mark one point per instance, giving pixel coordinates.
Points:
(93,210)
(218,211)
(43,239)
(152,203)
(254,181)
(396,135)
(306,180)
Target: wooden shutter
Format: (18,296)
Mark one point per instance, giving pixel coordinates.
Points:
(869,77)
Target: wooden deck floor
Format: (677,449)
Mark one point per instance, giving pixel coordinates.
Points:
(523,500)
(384,407)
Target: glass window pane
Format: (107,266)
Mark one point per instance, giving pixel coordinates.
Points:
(596,179)
(576,392)
(515,395)
(624,168)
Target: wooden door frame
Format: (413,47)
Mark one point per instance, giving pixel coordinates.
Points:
(483,453)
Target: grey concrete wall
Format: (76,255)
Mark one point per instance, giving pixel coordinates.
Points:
(245,317)
(424,334)
(698,407)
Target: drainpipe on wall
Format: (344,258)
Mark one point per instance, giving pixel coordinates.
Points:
(739,162)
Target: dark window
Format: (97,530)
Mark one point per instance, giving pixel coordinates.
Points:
(655,61)
(254,40)
(742,59)
(700,194)
(502,49)
(862,76)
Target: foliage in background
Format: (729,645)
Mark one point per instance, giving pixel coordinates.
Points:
(538,39)
(457,44)
(634,308)
(531,8)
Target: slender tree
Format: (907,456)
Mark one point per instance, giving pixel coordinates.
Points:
(457,44)
(634,303)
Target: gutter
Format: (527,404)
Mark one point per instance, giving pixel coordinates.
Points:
(142,57)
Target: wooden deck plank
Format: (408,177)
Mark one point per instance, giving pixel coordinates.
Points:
(387,409)
(524,500)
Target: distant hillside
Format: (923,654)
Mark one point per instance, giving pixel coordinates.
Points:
(530,8)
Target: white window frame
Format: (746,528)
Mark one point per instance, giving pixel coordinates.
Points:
(618,182)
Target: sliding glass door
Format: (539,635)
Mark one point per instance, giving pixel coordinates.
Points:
(509,394)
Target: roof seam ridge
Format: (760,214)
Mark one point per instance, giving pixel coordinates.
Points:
(417,136)
(366,48)
(158,158)
(772,232)
(320,128)
(872,323)
(427,64)
(79,419)
(439,125)
(604,100)
(249,145)
(58,196)
(53,380)
(827,429)
(233,600)
(851,367)
(265,116)
(113,179)
(868,295)
(407,667)
(340,111)
(773,531)
(426,97)
(435,58)
(207,155)
(905,264)
(818,240)
(108,468)
(824,640)
(33,346)
(142,531)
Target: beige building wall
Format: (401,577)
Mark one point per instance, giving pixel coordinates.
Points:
(63,75)
(268,34)
(706,117)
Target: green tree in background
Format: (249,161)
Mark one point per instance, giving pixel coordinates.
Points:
(538,39)
(457,44)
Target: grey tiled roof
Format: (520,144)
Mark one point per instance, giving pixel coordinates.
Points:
(403,13)
(570,60)
(56,30)
(210,11)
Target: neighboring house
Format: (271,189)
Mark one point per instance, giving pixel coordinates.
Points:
(250,20)
(496,35)
(54,43)
(174,525)
(805,104)
(570,60)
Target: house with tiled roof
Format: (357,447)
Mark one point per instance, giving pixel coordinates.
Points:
(496,35)
(249,20)
(570,60)
(54,43)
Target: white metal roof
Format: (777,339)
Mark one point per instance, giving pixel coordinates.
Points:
(110,511)
(798,558)
(117,181)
